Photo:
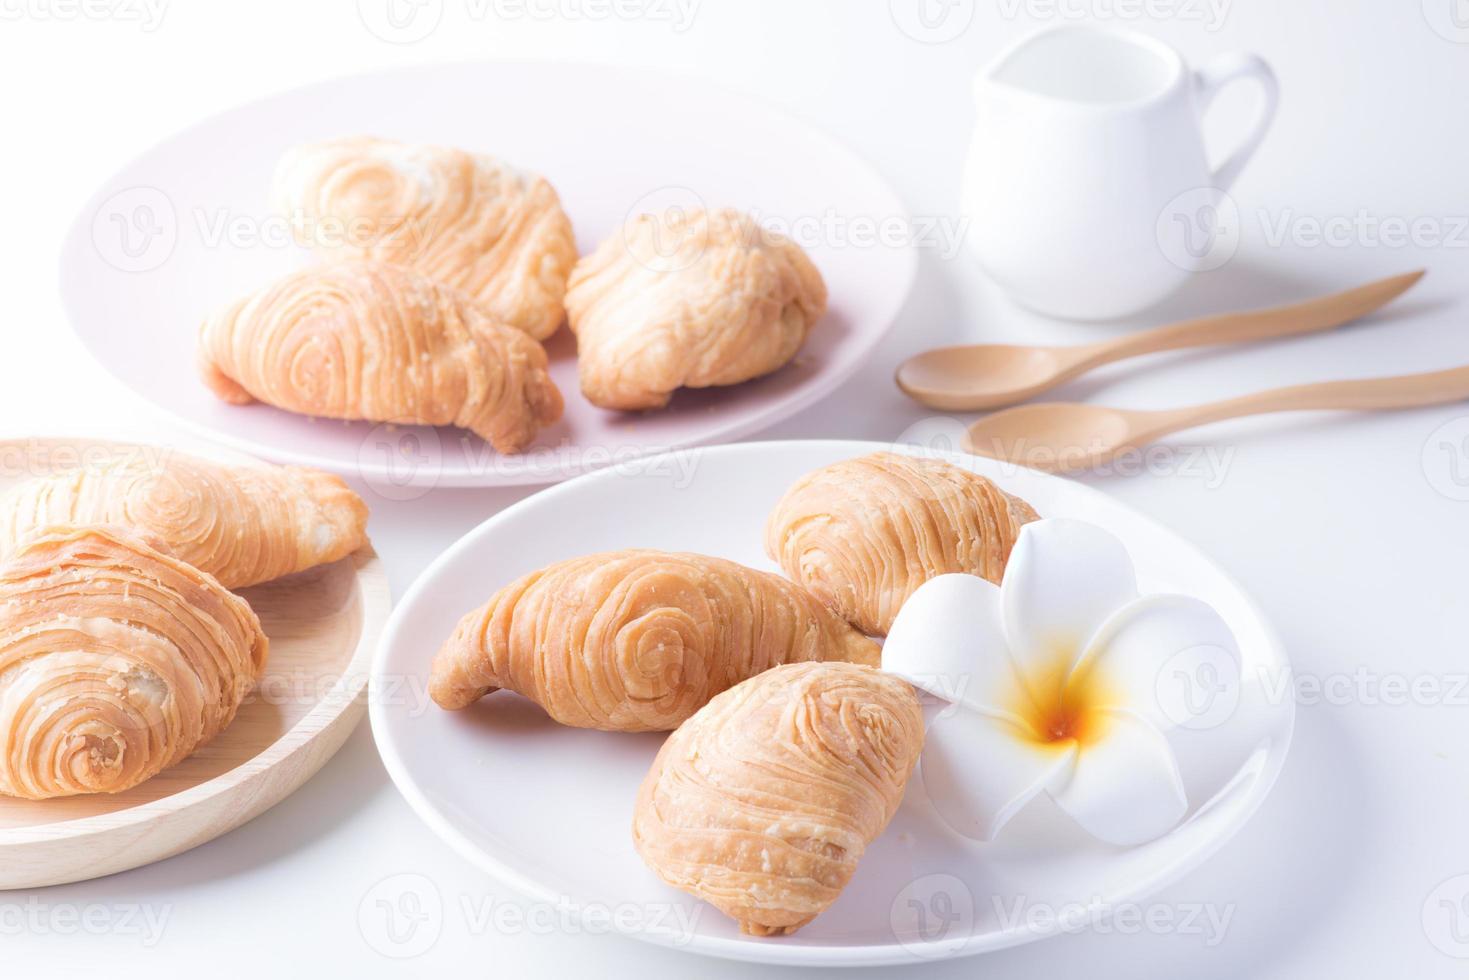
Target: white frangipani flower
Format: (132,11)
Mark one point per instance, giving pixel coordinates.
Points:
(1053,681)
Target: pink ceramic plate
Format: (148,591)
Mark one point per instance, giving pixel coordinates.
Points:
(185,228)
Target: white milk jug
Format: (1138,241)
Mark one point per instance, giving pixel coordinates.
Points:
(1087,190)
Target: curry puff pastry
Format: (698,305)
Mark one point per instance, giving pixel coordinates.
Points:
(466,220)
(365,340)
(117,661)
(863,534)
(688,299)
(241,524)
(636,641)
(763,803)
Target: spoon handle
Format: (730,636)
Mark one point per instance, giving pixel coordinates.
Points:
(1322,313)
(1403,391)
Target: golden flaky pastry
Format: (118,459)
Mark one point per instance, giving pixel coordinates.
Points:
(764,801)
(636,641)
(241,524)
(688,299)
(863,534)
(117,661)
(466,220)
(363,340)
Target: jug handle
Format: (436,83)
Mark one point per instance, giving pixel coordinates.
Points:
(1211,79)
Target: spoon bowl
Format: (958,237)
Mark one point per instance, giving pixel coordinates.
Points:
(1055,436)
(981,376)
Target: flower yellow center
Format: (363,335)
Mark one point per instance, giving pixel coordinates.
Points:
(1063,708)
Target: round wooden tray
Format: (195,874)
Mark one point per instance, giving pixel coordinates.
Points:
(323,626)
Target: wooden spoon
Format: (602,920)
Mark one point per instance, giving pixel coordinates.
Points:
(983,376)
(1062,437)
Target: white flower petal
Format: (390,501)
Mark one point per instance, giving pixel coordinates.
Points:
(1064,579)
(979,770)
(1125,788)
(949,641)
(1171,658)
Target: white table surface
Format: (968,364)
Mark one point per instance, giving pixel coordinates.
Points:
(1352,531)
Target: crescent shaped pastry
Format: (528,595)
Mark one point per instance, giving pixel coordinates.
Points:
(688,299)
(764,801)
(635,641)
(241,524)
(117,661)
(863,534)
(463,219)
(372,341)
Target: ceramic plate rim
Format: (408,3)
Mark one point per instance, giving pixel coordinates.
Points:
(754,951)
(78,232)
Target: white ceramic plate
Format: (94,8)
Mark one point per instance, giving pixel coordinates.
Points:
(185,228)
(548,809)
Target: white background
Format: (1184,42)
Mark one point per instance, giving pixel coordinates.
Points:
(1346,528)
